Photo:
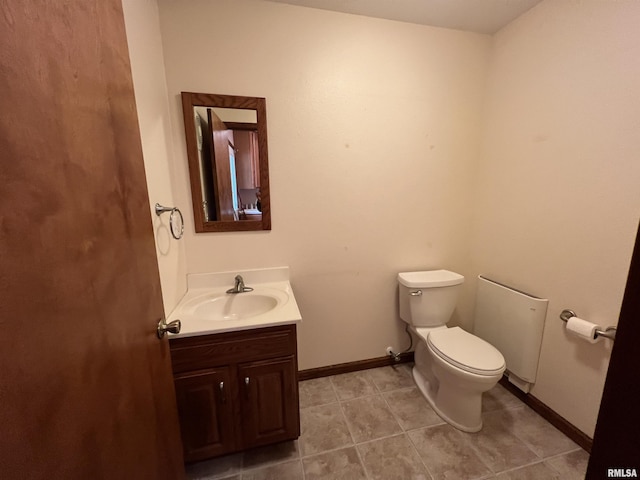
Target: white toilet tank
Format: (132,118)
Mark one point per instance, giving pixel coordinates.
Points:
(428,298)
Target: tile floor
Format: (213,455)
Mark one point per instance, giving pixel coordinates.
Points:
(375,425)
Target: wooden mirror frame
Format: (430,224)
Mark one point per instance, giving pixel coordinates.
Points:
(191,100)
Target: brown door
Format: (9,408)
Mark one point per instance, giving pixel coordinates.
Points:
(207,180)
(85,384)
(616,443)
(221,166)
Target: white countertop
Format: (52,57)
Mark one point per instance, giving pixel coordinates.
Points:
(206,289)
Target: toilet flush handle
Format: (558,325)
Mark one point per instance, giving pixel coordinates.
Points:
(417,293)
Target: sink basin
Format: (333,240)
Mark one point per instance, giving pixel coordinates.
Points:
(222,306)
(207,308)
(239,306)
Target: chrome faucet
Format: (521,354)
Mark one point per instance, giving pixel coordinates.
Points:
(239,286)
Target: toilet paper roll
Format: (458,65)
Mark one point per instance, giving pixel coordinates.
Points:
(583,329)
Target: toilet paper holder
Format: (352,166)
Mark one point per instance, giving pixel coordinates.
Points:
(609,332)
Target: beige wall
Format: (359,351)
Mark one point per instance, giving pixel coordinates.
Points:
(558,196)
(373,130)
(147,66)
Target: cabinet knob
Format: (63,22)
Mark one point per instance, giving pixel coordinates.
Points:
(223,396)
(246,384)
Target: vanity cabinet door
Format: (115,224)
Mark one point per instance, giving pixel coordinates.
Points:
(205,400)
(269,396)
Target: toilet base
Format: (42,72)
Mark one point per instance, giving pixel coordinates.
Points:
(474,404)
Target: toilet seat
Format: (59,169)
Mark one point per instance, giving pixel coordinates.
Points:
(465,351)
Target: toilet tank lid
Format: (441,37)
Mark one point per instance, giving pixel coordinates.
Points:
(430,279)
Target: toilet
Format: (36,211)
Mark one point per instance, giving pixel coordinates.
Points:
(452,367)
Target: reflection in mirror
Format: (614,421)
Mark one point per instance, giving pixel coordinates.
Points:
(226,140)
(229,165)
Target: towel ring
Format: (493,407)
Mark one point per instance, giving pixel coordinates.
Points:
(173,219)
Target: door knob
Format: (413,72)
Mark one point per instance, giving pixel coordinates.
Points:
(171,327)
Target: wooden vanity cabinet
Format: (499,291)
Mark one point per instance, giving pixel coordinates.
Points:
(236,390)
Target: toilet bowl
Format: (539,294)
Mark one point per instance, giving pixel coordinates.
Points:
(463,367)
(452,367)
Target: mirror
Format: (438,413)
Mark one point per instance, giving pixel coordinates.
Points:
(226,138)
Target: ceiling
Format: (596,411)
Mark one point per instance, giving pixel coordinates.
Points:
(480,16)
